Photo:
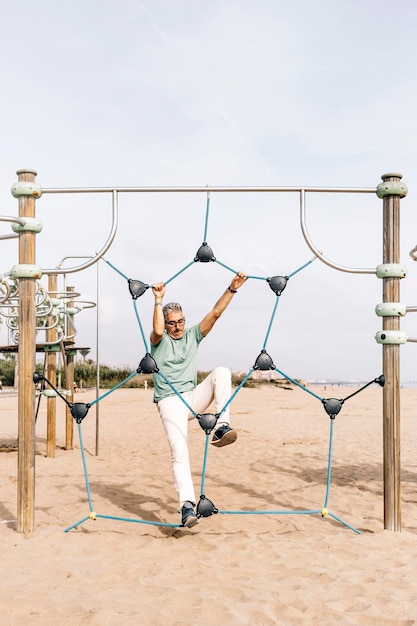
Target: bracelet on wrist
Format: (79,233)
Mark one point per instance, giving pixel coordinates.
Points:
(232,290)
(158,304)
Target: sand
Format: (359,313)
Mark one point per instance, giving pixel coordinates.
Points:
(237,569)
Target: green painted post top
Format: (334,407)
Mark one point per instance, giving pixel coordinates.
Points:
(391,187)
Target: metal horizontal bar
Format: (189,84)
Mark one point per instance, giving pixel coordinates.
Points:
(9,236)
(12,219)
(51,190)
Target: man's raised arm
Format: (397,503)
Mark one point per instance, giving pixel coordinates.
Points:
(158,290)
(222,303)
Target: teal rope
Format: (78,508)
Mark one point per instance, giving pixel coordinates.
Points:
(115,268)
(355,530)
(226,266)
(236,391)
(302,267)
(122,519)
(300,512)
(203,473)
(235,271)
(263,277)
(81,521)
(178,273)
(114,388)
(177,393)
(139,521)
(140,325)
(329,464)
(87,483)
(207,214)
(292,380)
(296,512)
(190,408)
(90,502)
(270,322)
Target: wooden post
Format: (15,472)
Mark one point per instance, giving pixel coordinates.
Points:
(26,362)
(51,336)
(391,194)
(69,378)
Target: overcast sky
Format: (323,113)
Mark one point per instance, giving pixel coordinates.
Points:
(152,93)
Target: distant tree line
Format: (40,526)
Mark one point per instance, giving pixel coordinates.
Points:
(7,366)
(85,375)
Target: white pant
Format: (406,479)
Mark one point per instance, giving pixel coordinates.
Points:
(216,388)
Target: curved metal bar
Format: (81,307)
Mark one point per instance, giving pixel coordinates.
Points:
(86,304)
(72,325)
(12,315)
(94,259)
(317,252)
(44,312)
(206,190)
(59,339)
(48,326)
(4,284)
(14,336)
(15,220)
(16,292)
(13,303)
(41,295)
(65,296)
(413,253)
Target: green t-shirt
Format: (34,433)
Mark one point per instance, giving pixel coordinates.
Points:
(177,360)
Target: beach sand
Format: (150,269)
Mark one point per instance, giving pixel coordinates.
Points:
(238,569)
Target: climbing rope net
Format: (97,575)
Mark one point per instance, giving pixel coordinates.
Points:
(207,421)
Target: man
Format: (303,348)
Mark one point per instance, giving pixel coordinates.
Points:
(174,348)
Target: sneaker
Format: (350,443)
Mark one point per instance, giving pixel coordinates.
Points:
(188,515)
(223,436)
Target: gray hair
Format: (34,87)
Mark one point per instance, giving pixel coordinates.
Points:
(170,307)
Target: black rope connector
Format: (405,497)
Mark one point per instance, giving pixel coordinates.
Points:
(79,410)
(37,377)
(205,507)
(147,365)
(204,254)
(332,406)
(277,283)
(207,421)
(137,288)
(264,362)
